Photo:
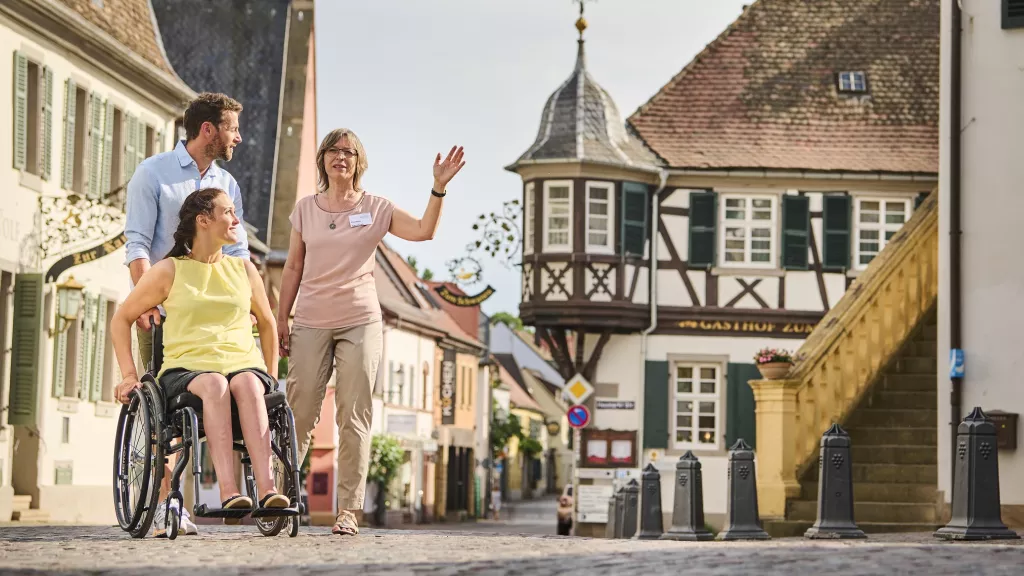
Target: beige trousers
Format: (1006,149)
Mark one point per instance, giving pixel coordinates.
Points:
(354,353)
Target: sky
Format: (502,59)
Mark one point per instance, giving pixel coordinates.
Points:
(414,77)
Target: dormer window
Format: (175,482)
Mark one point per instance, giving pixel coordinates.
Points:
(853,83)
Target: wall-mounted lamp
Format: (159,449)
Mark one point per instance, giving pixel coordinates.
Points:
(70,292)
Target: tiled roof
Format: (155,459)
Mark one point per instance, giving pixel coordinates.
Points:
(580,123)
(130,22)
(764,95)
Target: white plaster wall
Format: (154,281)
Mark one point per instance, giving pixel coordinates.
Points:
(992,277)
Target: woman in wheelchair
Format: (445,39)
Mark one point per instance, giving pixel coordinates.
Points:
(208,345)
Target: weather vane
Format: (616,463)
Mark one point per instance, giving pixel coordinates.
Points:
(581,23)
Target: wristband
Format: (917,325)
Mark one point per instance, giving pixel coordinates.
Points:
(438,194)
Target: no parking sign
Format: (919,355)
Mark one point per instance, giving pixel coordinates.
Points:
(578,416)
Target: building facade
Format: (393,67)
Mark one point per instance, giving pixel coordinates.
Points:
(90,96)
(729,213)
(981,137)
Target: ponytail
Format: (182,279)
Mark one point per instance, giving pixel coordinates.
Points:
(197,203)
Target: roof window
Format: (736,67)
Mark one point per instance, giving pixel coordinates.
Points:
(853,82)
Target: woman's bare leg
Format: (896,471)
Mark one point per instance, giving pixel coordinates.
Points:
(247,391)
(213,390)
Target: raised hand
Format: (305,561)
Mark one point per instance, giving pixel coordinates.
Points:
(445,171)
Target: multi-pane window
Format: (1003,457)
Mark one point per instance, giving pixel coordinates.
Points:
(558,216)
(852,82)
(877,221)
(528,219)
(600,217)
(696,401)
(748,231)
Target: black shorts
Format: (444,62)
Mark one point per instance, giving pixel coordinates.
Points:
(176,380)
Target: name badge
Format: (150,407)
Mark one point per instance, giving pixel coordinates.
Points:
(356,220)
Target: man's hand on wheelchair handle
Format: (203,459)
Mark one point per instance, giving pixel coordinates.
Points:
(128,383)
(148,319)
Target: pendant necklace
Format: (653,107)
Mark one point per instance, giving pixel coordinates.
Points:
(334,216)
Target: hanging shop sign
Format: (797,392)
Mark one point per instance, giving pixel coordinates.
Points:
(84,257)
(461,300)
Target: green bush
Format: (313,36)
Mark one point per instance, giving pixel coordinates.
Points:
(386,455)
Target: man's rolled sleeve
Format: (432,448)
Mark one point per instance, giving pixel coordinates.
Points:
(140,215)
(241,248)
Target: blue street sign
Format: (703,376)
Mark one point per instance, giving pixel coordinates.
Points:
(956,363)
(578,416)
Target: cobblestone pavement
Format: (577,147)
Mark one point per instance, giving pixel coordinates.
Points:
(240,550)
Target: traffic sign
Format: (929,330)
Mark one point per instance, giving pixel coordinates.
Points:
(578,416)
(578,389)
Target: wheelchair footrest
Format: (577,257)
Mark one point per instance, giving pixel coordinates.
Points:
(204,512)
(274,512)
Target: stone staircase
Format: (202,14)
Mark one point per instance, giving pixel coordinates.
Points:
(894,437)
(23,511)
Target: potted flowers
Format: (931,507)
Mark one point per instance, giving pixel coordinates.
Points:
(773,363)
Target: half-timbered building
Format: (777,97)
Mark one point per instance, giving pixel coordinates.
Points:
(729,213)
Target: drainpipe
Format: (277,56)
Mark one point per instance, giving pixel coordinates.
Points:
(652,291)
(955,155)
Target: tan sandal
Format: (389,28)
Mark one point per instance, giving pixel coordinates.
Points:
(346,524)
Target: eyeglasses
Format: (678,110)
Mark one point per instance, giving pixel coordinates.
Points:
(348,152)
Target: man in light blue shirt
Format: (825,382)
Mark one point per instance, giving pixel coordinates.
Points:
(156,192)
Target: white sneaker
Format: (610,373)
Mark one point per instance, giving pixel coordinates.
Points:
(187,526)
(160,520)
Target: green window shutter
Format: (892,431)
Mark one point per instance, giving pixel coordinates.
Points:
(161,145)
(47,171)
(739,404)
(796,226)
(28,323)
(95,144)
(99,350)
(703,236)
(131,134)
(86,342)
(67,165)
(108,152)
(60,347)
(920,198)
(656,404)
(20,111)
(634,219)
(140,143)
(836,225)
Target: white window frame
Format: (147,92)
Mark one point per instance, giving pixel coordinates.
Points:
(546,245)
(529,218)
(848,81)
(696,397)
(748,224)
(881,226)
(609,247)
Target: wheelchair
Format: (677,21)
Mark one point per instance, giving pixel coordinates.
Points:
(146,433)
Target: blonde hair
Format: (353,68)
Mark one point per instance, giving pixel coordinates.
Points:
(330,140)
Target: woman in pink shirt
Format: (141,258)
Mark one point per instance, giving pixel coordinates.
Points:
(337,318)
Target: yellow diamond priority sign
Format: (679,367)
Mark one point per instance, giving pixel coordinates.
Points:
(577,389)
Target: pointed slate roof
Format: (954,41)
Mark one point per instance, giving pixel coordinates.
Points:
(580,123)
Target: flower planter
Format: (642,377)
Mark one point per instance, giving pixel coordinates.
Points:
(774,370)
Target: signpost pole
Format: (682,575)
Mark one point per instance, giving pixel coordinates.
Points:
(575,479)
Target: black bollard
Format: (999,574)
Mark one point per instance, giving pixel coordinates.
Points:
(609,527)
(976,514)
(835,489)
(620,504)
(744,521)
(650,515)
(688,505)
(630,506)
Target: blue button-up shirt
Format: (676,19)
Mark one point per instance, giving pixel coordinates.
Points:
(155,195)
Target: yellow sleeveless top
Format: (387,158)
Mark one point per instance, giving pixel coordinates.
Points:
(208,326)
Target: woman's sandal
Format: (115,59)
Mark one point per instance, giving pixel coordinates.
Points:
(346,524)
(274,500)
(236,502)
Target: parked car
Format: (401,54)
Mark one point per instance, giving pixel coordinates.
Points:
(564,513)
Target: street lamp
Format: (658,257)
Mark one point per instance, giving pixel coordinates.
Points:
(69,292)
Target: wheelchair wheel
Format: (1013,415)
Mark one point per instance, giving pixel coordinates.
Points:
(272,526)
(295,527)
(173,522)
(138,465)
